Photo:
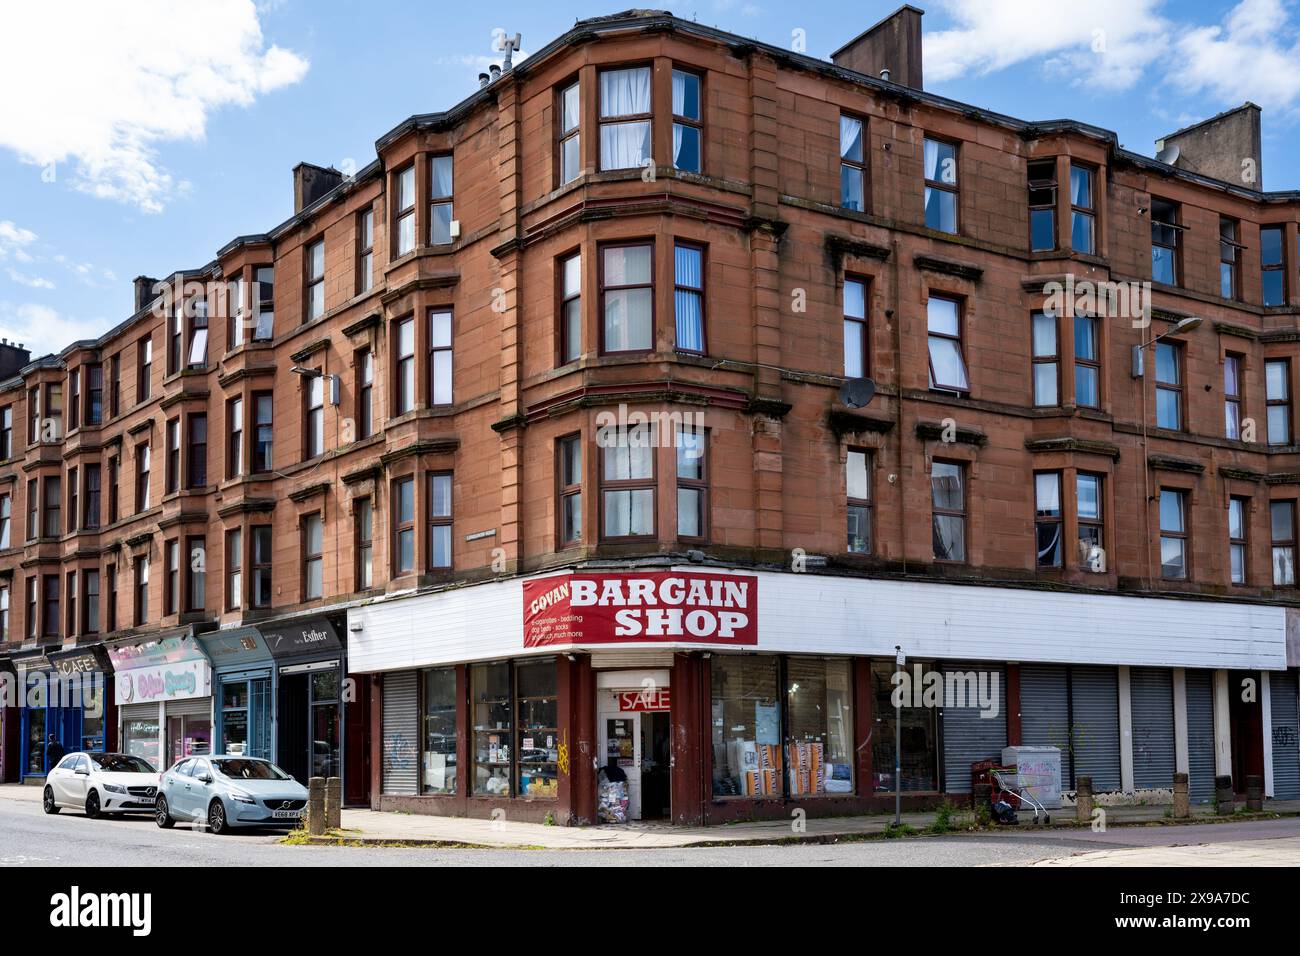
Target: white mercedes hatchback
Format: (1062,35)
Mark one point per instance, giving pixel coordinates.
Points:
(101,784)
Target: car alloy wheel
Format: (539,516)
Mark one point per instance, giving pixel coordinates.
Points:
(162,814)
(92,804)
(47,802)
(217,818)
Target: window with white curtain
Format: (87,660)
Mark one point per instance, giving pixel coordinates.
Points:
(688,119)
(627,298)
(627,489)
(570,307)
(625,118)
(570,138)
(440,357)
(688,297)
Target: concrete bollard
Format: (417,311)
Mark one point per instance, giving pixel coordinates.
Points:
(1182,797)
(1223,793)
(316,806)
(333,803)
(1083,799)
(1254,792)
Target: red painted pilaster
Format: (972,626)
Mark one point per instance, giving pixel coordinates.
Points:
(376,739)
(692,770)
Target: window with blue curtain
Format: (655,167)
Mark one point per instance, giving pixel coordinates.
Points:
(688,297)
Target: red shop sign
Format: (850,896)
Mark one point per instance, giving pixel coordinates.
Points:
(645,700)
(671,607)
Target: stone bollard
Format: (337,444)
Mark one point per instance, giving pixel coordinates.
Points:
(1083,799)
(1224,795)
(333,803)
(316,806)
(1254,793)
(1182,797)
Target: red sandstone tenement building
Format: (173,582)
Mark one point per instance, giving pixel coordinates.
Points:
(374,443)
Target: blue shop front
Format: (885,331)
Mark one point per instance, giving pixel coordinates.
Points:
(243,692)
(66,698)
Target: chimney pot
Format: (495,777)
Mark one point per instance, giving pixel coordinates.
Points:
(310,182)
(483,80)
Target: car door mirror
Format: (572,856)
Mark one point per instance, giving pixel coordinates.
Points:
(205,778)
(83,772)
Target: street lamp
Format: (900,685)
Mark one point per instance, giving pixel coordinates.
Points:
(900,661)
(1183,325)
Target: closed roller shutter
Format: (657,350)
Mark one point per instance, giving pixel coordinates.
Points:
(967,736)
(202,707)
(1045,712)
(401,733)
(1094,694)
(138,712)
(1151,691)
(1200,736)
(1286,735)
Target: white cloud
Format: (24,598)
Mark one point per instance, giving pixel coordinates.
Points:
(1108,43)
(31,281)
(1253,56)
(42,329)
(14,241)
(101,86)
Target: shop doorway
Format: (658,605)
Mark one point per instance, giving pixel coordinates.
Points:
(1246,723)
(656,762)
(310,722)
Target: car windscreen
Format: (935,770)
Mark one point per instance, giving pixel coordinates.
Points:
(121,763)
(249,770)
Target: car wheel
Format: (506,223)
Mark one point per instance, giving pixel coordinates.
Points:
(162,814)
(47,801)
(92,804)
(217,822)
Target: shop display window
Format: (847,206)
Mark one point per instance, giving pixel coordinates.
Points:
(140,739)
(490,694)
(919,769)
(819,736)
(439,766)
(746,720)
(538,707)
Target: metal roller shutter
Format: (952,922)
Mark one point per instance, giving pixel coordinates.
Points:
(200,707)
(138,712)
(1200,736)
(1094,694)
(1045,712)
(967,736)
(1151,691)
(401,723)
(1286,734)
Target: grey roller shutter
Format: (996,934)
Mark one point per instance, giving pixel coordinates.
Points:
(967,735)
(1045,712)
(1151,692)
(1286,735)
(138,712)
(401,721)
(1200,736)
(200,707)
(1094,696)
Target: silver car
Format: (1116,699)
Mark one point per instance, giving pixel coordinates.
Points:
(228,791)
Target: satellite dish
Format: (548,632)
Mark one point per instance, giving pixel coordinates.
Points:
(1169,155)
(858,392)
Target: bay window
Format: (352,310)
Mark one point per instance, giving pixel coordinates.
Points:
(688,297)
(692,484)
(627,298)
(261,566)
(403,523)
(570,294)
(440,357)
(440,200)
(1048,527)
(405,213)
(688,122)
(627,490)
(1046,359)
(625,118)
(439,521)
(569,467)
(570,110)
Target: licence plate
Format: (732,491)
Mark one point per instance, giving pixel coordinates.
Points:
(286,814)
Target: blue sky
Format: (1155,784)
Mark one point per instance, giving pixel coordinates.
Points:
(134,150)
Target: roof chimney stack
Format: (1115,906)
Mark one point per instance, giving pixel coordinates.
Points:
(144,293)
(1226,147)
(891,49)
(483,80)
(311,182)
(13,357)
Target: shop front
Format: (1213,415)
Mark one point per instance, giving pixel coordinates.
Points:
(10,722)
(243,692)
(163,692)
(712,696)
(310,692)
(62,696)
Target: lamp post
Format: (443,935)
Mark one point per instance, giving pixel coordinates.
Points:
(900,661)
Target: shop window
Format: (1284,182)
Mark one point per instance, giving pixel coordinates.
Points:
(625,118)
(538,731)
(746,719)
(1047,359)
(246,717)
(819,738)
(692,484)
(325,708)
(919,767)
(439,765)
(490,696)
(688,122)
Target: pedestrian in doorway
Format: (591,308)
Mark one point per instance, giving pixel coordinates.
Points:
(54,752)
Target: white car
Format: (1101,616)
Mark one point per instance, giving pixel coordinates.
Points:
(101,784)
